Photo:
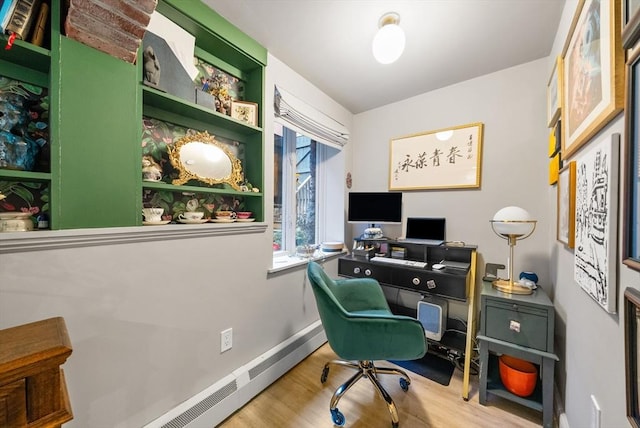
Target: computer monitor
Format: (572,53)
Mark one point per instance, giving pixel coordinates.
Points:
(375,207)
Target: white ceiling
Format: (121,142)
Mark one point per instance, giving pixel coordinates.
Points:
(448,41)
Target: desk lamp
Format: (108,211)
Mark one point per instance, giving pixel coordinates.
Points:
(512,224)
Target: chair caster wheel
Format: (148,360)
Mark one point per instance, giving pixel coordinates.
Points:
(404,384)
(325,373)
(338,417)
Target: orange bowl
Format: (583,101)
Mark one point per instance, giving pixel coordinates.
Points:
(518,376)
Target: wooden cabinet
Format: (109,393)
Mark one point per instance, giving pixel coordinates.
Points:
(33,391)
(92,176)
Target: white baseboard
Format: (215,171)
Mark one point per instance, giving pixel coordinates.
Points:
(563,422)
(216,403)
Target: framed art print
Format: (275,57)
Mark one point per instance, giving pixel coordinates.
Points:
(596,221)
(554,92)
(631,246)
(593,69)
(566,222)
(245,111)
(630,23)
(443,159)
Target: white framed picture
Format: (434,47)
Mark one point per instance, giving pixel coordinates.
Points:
(597,221)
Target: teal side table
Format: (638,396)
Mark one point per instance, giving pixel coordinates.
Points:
(521,326)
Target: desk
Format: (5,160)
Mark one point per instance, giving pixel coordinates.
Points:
(447,283)
(521,326)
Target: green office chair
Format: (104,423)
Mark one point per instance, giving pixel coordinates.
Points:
(361,328)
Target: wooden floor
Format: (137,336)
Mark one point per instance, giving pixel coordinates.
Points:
(299,400)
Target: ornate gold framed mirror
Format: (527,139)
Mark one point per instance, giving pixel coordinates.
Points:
(200,157)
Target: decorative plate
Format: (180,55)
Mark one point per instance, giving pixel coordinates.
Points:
(189,221)
(156,223)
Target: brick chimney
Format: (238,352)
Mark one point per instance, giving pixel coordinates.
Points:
(115,27)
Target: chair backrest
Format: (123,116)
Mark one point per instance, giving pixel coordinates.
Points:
(334,317)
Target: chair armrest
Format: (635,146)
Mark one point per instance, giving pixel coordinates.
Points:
(360,294)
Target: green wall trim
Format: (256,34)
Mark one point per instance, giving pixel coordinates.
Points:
(14,242)
(203,18)
(99,139)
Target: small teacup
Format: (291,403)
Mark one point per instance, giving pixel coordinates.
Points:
(225,214)
(244,214)
(152,214)
(191,215)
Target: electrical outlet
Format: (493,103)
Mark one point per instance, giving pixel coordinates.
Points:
(226,340)
(595,413)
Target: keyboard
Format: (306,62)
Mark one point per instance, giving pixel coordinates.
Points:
(399,262)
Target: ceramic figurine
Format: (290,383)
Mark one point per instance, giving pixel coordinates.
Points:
(151,171)
(151,67)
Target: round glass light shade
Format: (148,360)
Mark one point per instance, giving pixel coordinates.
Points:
(513,221)
(388,44)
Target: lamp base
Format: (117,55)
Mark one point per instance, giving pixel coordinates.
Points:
(507,286)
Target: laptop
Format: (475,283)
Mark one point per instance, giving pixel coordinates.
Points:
(425,230)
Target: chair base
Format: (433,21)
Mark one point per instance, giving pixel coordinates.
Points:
(368,370)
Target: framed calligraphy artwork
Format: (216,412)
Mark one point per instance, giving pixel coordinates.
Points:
(447,158)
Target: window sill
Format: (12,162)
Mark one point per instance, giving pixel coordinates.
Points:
(286,262)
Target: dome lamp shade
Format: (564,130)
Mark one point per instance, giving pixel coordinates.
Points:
(389,41)
(513,224)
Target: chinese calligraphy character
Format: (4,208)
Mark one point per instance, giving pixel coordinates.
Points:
(436,157)
(421,162)
(453,153)
(408,163)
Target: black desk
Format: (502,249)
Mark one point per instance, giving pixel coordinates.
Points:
(448,283)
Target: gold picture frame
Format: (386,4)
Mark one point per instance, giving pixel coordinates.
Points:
(554,93)
(566,221)
(245,111)
(448,158)
(593,73)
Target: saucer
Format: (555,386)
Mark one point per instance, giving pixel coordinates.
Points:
(246,220)
(198,221)
(156,223)
(223,220)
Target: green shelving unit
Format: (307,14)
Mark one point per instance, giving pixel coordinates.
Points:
(97,103)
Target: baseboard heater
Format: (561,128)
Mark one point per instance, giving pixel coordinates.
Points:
(213,405)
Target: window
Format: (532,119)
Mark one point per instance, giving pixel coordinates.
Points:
(298,170)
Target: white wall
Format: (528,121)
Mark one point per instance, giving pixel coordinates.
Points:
(144,319)
(511,104)
(590,341)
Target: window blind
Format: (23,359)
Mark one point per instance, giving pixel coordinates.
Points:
(299,116)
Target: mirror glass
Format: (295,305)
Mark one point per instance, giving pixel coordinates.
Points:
(205,160)
(200,157)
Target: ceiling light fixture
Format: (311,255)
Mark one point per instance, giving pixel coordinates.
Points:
(388,43)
